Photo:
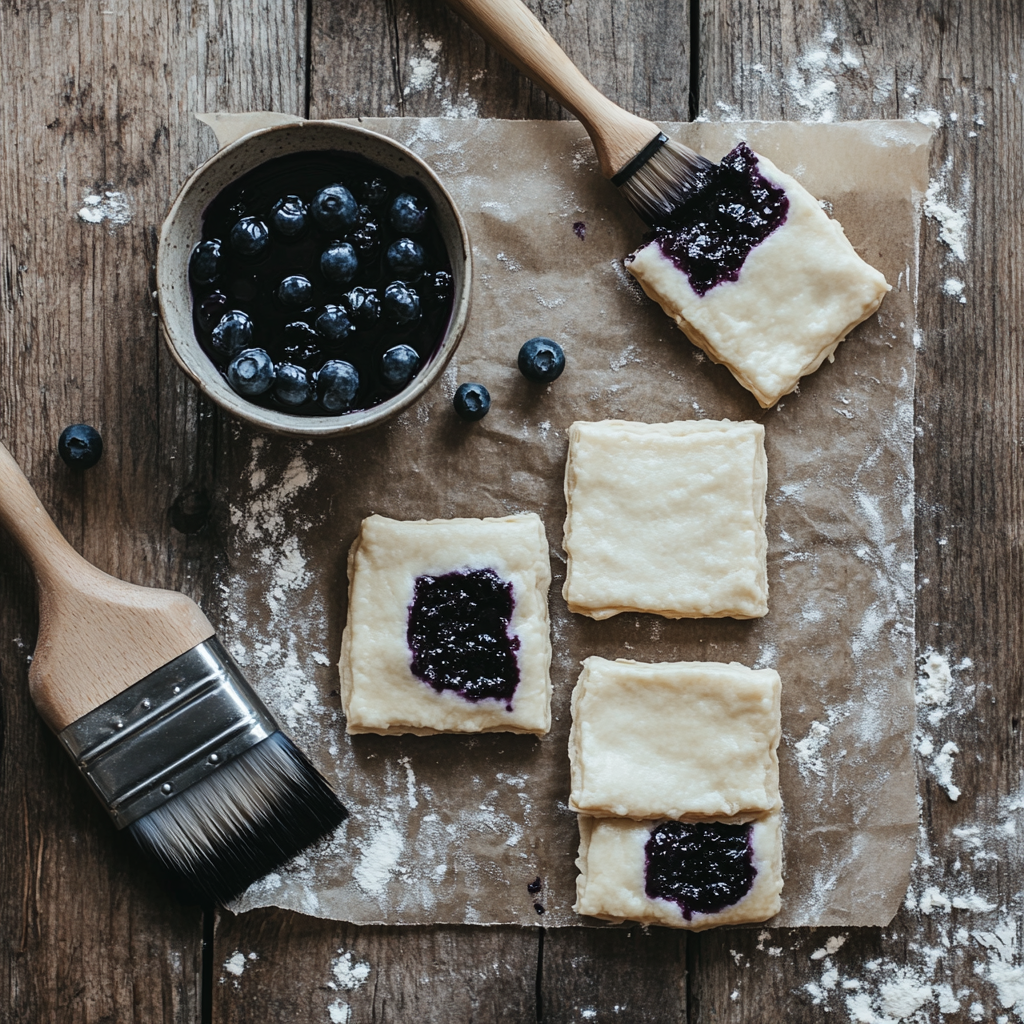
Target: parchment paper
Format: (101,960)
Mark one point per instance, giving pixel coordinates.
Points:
(451,829)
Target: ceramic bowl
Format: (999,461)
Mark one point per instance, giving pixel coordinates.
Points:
(183,229)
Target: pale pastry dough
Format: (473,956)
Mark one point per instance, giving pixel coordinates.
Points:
(611,883)
(666,518)
(799,293)
(379,693)
(686,740)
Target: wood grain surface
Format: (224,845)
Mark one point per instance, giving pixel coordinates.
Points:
(99,99)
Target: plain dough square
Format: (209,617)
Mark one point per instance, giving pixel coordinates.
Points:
(612,864)
(686,740)
(379,693)
(666,518)
(798,294)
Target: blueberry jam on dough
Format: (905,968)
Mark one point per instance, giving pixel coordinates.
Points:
(711,235)
(459,635)
(703,867)
(310,271)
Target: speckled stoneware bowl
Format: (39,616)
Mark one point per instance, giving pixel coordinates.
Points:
(183,229)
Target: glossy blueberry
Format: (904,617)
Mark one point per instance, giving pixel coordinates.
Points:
(373,191)
(250,238)
(437,287)
(364,305)
(408,214)
(295,292)
(339,262)
(210,309)
(399,365)
(366,240)
(80,446)
(291,384)
(401,303)
(336,385)
(541,360)
(405,258)
(232,334)
(333,325)
(251,372)
(335,209)
(289,217)
(301,343)
(472,401)
(206,262)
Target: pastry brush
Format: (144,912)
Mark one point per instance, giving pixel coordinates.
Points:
(159,718)
(655,174)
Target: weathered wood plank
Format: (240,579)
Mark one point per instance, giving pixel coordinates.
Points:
(948,63)
(98,101)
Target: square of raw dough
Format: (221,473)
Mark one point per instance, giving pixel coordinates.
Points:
(652,871)
(448,627)
(776,309)
(666,518)
(690,740)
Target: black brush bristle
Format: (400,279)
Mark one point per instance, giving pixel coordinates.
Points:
(236,825)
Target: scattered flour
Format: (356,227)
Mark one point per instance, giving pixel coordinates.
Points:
(339,1012)
(808,750)
(347,972)
(235,964)
(954,288)
(425,78)
(112,207)
(952,221)
(379,856)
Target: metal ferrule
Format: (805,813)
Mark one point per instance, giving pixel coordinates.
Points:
(167,732)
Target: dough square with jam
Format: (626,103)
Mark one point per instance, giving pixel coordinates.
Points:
(666,518)
(688,740)
(769,293)
(448,627)
(658,872)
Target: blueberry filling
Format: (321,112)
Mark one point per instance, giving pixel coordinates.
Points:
(711,235)
(702,867)
(459,635)
(293,261)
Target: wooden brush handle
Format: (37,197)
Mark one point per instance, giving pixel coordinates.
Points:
(510,27)
(97,635)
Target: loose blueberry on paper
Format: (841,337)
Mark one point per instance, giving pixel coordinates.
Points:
(333,270)
(472,401)
(80,446)
(541,360)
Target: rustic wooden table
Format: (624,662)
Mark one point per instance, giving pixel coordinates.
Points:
(98,99)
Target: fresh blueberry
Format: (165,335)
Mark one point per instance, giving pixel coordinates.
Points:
(334,209)
(250,238)
(295,292)
(366,240)
(301,343)
(364,305)
(336,385)
(291,384)
(399,365)
(334,325)
(472,401)
(205,264)
(408,214)
(373,191)
(401,303)
(339,263)
(80,446)
(251,372)
(232,334)
(405,258)
(289,217)
(210,309)
(541,360)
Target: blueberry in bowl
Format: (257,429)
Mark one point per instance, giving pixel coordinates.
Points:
(302,191)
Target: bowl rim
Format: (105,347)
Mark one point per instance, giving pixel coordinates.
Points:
(213,386)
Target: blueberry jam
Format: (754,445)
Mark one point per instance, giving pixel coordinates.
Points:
(704,868)
(319,260)
(459,636)
(711,235)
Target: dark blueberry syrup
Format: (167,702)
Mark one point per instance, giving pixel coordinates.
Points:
(704,868)
(459,636)
(711,235)
(275,195)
